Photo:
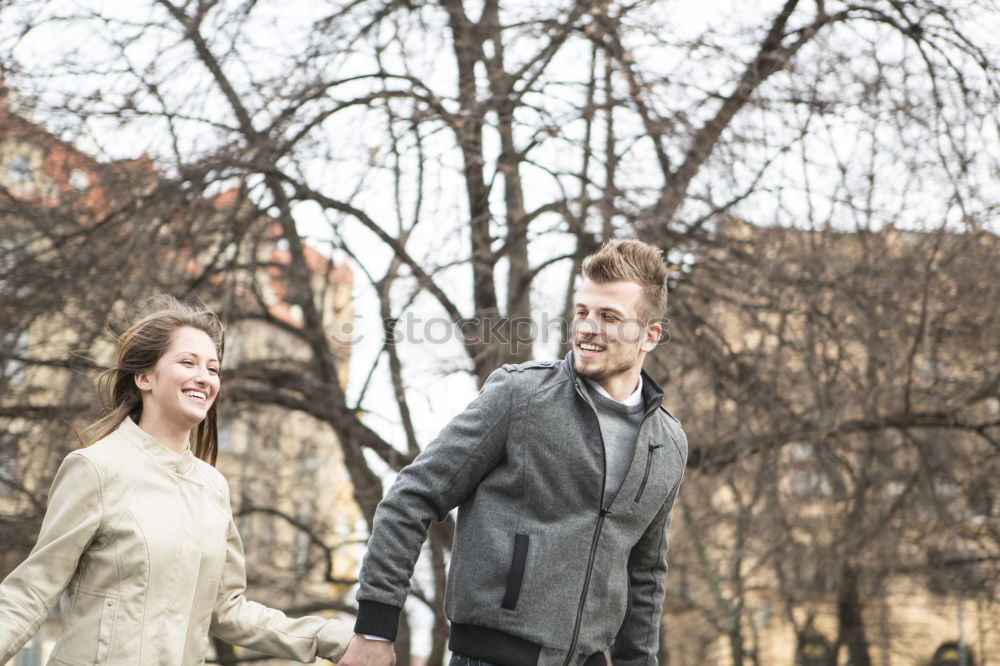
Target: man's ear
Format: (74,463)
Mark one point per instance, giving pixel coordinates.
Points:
(142,381)
(654,332)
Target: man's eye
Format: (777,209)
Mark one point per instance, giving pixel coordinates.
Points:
(610,317)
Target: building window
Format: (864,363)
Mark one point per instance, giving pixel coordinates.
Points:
(225,438)
(953,654)
(19,169)
(806,478)
(79,180)
(8,463)
(814,650)
(12,345)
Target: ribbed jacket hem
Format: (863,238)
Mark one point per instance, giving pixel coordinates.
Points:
(492,645)
(377,619)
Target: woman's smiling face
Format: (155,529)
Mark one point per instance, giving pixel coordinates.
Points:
(184,383)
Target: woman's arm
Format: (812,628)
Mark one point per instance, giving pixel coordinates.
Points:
(71,521)
(240,621)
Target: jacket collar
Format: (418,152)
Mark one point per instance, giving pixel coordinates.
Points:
(652,394)
(176,462)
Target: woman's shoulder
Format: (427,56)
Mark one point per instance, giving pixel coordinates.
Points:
(110,452)
(210,473)
(212,478)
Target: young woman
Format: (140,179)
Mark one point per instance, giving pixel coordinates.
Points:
(139,529)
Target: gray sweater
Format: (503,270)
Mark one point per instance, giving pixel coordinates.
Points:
(619,426)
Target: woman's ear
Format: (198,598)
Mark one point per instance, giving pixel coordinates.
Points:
(142,381)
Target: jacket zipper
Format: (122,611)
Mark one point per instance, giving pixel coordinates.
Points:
(586,586)
(597,530)
(645,476)
(593,542)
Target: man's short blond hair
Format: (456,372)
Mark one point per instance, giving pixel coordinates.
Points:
(632,261)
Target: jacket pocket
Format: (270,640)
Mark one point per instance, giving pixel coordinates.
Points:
(516,574)
(88,629)
(106,631)
(645,475)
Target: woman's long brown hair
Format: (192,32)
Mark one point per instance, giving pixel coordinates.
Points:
(139,349)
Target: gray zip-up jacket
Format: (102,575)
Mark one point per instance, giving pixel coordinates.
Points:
(547,568)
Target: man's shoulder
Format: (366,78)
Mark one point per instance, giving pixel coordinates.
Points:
(676,430)
(533,365)
(671,417)
(532,377)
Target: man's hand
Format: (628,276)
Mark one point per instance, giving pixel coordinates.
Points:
(362,651)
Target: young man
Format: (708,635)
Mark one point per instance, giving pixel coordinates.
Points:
(565,474)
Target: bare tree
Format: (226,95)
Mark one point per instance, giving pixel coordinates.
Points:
(466,156)
(873,420)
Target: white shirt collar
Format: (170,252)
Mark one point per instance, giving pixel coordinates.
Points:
(630,401)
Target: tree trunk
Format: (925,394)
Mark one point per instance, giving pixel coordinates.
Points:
(403,655)
(852,628)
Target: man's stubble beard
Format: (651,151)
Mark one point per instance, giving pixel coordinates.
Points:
(603,373)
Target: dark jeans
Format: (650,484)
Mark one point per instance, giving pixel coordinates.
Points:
(596,659)
(462,660)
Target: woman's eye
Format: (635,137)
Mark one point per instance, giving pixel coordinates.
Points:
(214,371)
(187,362)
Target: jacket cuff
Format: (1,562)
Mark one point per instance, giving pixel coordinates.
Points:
(377,619)
(333,638)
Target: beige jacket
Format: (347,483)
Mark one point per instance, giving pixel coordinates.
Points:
(143,541)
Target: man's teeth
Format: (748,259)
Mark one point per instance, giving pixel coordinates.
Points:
(594,348)
(196,394)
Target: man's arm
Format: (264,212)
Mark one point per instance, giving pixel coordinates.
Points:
(639,640)
(441,477)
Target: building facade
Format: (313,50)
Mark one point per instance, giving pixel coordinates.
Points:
(122,234)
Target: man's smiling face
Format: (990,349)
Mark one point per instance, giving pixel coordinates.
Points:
(610,335)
